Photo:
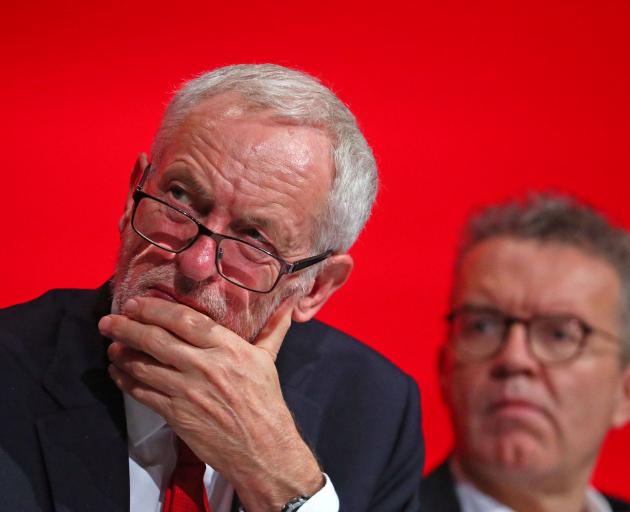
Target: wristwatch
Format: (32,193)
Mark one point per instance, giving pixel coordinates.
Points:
(295,503)
(291,506)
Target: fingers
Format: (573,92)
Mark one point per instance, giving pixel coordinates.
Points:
(184,322)
(146,369)
(149,339)
(141,392)
(272,334)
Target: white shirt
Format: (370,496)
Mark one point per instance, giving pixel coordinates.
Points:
(473,500)
(152,458)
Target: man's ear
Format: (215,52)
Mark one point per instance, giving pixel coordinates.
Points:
(138,168)
(334,274)
(621,415)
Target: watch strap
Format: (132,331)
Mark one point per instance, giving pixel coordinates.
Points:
(295,503)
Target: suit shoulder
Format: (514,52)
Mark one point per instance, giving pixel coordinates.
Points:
(29,331)
(439,478)
(36,317)
(335,367)
(317,343)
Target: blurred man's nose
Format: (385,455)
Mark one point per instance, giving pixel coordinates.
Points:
(515,355)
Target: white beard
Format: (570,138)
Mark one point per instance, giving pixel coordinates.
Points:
(135,276)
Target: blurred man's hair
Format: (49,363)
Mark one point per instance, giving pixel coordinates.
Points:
(556,218)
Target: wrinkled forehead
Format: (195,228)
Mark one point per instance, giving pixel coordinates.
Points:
(229,118)
(251,161)
(526,276)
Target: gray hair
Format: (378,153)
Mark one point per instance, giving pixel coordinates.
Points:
(551,217)
(302,99)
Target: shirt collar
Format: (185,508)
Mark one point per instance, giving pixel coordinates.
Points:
(142,422)
(474,500)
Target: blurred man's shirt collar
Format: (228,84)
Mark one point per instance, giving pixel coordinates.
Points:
(473,500)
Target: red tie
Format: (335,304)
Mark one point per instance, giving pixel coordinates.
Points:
(186,492)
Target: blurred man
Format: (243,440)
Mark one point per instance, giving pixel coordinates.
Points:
(260,181)
(535,371)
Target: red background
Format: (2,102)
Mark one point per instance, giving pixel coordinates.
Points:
(463,102)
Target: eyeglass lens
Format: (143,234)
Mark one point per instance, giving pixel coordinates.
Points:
(480,334)
(236,260)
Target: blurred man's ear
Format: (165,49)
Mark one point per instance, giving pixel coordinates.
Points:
(621,415)
(141,163)
(334,274)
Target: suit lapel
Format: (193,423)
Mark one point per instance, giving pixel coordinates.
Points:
(437,490)
(86,459)
(296,378)
(85,445)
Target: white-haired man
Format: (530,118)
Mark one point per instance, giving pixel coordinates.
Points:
(535,370)
(258,184)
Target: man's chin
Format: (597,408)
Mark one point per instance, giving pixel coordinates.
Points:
(517,457)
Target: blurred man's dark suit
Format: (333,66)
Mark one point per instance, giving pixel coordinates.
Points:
(437,493)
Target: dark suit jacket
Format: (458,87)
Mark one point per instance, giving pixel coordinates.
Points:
(63,443)
(437,493)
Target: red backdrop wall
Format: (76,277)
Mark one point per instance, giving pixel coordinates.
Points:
(463,102)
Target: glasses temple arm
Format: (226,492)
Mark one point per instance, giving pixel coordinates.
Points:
(307,262)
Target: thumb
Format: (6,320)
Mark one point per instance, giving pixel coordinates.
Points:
(272,335)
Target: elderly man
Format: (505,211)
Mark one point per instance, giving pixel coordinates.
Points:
(258,184)
(535,370)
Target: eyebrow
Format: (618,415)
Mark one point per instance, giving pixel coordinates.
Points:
(182,174)
(251,220)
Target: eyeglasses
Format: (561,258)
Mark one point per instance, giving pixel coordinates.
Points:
(477,334)
(238,261)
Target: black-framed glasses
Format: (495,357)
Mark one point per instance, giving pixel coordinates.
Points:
(238,261)
(478,333)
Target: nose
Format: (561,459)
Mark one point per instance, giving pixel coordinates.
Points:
(198,261)
(515,356)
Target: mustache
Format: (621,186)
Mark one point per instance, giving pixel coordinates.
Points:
(140,269)
(207,299)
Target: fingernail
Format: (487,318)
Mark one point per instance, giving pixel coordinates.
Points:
(131,306)
(111,350)
(104,323)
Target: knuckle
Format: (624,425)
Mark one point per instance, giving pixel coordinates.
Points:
(136,369)
(195,396)
(190,319)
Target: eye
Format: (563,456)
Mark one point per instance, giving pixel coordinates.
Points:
(559,330)
(559,334)
(178,194)
(254,234)
(255,237)
(479,324)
